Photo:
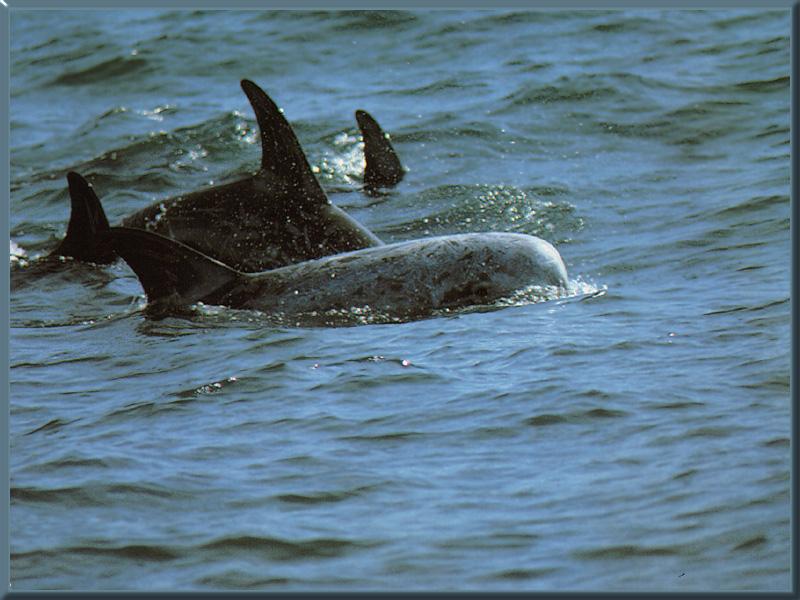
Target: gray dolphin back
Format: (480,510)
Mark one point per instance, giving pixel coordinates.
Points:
(407,280)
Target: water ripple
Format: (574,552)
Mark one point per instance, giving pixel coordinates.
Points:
(121,66)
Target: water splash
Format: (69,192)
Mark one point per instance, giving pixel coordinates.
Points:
(345,163)
(18,256)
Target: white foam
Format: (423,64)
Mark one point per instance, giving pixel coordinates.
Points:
(17,254)
(346,163)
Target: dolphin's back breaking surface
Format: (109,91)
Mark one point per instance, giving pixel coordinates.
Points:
(405,280)
(278,216)
(255,224)
(410,278)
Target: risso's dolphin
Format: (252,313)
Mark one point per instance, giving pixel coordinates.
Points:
(383,168)
(404,280)
(276,217)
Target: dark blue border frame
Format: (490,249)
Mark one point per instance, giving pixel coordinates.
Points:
(5,41)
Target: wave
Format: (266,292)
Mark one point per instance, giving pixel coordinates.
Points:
(631,551)
(457,208)
(324,497)
(120,66)
(585,416)
(95,494)
(132,552)
(283,549)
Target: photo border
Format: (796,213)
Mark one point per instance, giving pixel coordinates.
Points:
(9,6)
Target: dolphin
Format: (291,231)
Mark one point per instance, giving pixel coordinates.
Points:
(87,231)
(405,280)
(278,216)
(383,168)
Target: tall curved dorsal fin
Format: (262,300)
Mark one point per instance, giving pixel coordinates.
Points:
(281,153)
(169,270)
(86,237)
(383,167)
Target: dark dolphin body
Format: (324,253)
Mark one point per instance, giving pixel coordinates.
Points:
(405,280)
(278,216)
(383,168)
(86,238)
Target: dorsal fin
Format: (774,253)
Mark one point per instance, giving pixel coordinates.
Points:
(281,153)
(170,270)
(383,167)
(86,238)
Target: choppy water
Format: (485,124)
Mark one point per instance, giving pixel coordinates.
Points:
(632,439)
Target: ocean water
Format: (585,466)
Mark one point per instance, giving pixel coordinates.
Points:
(633,435)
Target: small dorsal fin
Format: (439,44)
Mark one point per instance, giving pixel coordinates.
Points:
(383,166)
(170,270)
(281,153)
(86,238)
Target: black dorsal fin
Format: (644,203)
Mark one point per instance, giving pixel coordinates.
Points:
(383,167)
(281,153)
(86,238)
(170,270)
